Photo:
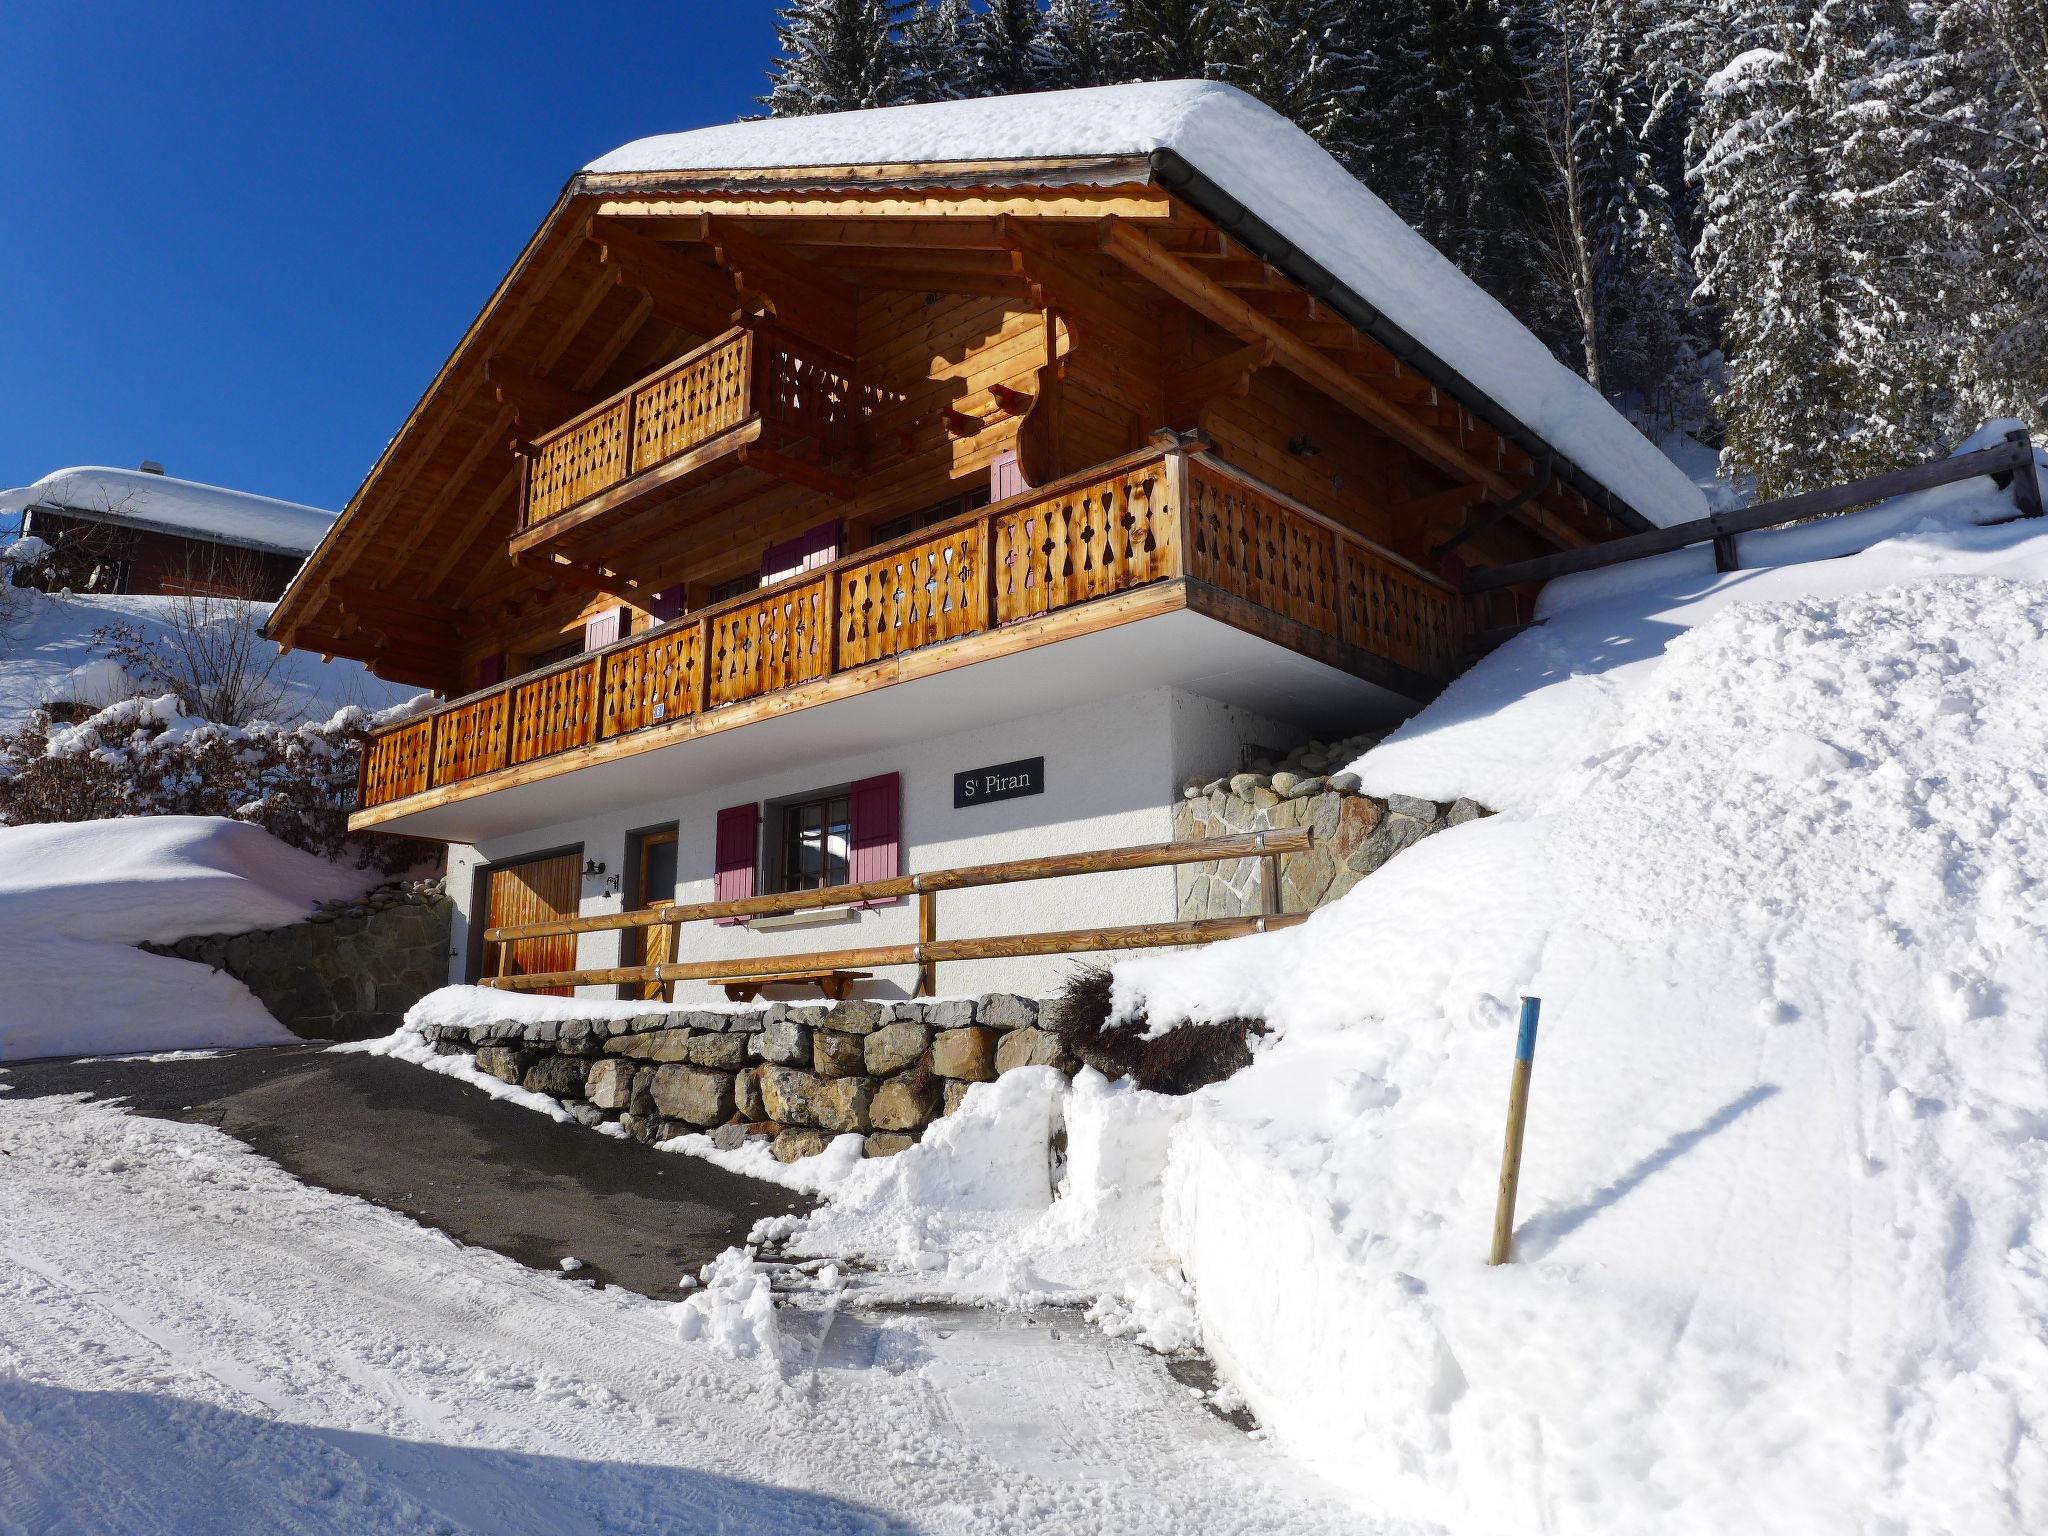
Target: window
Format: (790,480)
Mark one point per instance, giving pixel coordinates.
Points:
(843,836)
(924,517)
(738,586)
(816,843)
(551,655)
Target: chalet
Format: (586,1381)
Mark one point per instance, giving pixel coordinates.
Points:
(142,531)
(821,500)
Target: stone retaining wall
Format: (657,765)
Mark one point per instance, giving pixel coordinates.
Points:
(348,972)
(797,1074)
(1355,834)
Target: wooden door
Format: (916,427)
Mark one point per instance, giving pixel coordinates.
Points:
(655,880)
(533,892)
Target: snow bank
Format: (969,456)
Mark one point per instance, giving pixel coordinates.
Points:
(1772,859)
(47,656)
(75,898)
(1273,168)
(982,1210)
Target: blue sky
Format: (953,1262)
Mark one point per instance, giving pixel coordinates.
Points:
(242,237)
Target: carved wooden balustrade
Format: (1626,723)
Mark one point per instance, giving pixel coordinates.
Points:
(1146,518)
(803,391)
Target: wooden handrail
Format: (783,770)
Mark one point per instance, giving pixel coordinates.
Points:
(2006,457)
(1240,845)
(1077,941)
(929,950)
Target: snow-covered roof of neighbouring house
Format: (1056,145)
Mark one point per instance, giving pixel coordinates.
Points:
(1274,170)
(141,499)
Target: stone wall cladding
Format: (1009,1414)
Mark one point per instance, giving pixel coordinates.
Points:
(1355,833)
(348,972)
(797,1074)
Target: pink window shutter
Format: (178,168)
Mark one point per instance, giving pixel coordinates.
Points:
(1005,478)
(601,629)
(806,552)
(877,822)
(739,837)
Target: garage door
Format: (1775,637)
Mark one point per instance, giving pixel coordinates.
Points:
(533,891)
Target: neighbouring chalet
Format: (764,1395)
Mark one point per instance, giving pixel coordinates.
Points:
(142,531)
(806,480)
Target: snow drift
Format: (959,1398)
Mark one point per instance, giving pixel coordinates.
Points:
(1772,858)
(75,898)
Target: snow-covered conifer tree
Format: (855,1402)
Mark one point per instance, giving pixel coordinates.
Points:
(935,51)
(1297,57)
(834,56)
(1168,39)
(1078,44)
(1005,48)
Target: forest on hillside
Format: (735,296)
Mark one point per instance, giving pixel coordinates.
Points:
(1812,231)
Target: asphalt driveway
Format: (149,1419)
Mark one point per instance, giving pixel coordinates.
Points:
(483,1171)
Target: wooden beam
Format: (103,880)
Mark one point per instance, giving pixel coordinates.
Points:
(1446,503)
(538,403)
(1229,310)
(691,295)
(795,471)
(585,577)
(804,296)
(1231,374)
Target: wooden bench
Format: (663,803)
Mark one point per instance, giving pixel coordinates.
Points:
(833,984)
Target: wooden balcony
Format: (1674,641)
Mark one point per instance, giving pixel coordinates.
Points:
(1245,553)
(755,397)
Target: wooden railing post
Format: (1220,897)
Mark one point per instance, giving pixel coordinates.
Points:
(991,589)
(927,933)
(829,607)
(703,686)
(1179,480)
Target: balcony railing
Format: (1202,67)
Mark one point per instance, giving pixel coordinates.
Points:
(801,391)
(1146,518)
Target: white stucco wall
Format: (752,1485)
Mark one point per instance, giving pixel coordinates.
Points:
(1112,771)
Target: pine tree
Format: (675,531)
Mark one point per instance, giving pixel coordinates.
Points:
(1971,123)
(1005,50)
(1297,57)
(936,52)
(1444,135)
(1615,251)
(834,56)
(1078,44)
(1811,244)
(1168,39)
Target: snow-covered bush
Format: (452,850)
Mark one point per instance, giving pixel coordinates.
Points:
(18,559)
(148,757)
(209,650)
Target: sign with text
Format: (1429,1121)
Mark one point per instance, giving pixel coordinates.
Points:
(1005,781)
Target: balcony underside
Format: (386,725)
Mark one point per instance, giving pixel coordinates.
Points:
(635,511)
(1178,633)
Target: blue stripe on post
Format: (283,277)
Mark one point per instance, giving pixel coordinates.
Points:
(1525,1043)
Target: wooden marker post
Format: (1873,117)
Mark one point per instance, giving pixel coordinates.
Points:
(1518,1115)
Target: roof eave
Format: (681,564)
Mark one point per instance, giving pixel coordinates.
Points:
(1185,180)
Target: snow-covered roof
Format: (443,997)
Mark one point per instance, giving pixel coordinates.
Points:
(1273,169)
(141,499)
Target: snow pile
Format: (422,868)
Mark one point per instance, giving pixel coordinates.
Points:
(75,897)
(1771,857)
(982,1209)
(1274,169)
(734,1313)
